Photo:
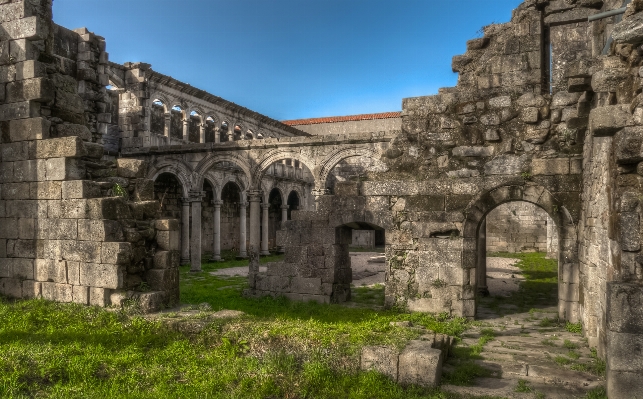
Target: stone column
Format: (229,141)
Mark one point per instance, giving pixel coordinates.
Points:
(202,133)
(264,229)
(195,243)
(217,135)
(186,129)
(185,231)
(254,198)
(284,213)
(481,265)
(230,133)
(242,230)
(166,128)
(216,248)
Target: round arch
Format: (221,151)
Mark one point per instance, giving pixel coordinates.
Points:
(176,167)
(327,165)
(273,156)
(479,207)
(210,160)
(162,98)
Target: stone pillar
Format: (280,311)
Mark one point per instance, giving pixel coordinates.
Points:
(264,229)
(217,135)
(185,232)
(166,128)
(481,265)
(318,194)
(216,248)
(230,134)
(202,133)
(186,129)
(195,243)
(242,230)
(284,213)
(254,198)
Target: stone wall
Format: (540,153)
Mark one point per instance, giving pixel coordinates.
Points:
(517,227)
(348,127)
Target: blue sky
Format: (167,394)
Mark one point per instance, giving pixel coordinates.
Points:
(292,59)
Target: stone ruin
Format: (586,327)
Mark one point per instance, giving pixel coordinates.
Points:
(103,191)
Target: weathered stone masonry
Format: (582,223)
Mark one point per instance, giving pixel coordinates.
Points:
(547,110)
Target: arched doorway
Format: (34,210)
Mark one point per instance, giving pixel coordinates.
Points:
(293,203)
(233,214)
(274,216)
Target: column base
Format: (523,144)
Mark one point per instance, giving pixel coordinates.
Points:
(240,257)
(216,259)
(483,291)
(185,261)
(264,253)
(195,270)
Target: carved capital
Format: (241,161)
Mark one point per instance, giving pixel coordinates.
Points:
(254,195)
(217,203)
(265,206)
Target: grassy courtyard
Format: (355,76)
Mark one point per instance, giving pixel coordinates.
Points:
(276,349)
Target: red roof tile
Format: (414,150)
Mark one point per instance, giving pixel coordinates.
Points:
(331,119)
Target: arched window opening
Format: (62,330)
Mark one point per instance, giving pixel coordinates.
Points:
(293,203)
(194,127)
(250,135)
(223,132)
(176,123)
(157,117)
(275,217)
(237,132)
(259,136)
(210,126)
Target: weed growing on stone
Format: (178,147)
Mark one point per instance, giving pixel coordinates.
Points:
(523,386)
(570,345)
(597,393)
(576,328)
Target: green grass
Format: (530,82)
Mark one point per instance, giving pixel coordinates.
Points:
(373,296)
(465,369)
(539,290)
(278,349)
(523,386)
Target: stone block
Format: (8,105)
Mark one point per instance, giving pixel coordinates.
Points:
(99,296)
(118,253)
(166,259)
(38,89)
(21,248)
(477,151)
(556,166)
(113,208)
(143,210)
(419,364)
(16,191)
(529,115)
(152,301)
(168,240)
(11,287)
(64,169)
(605,121)
(46,190)
(629,30)
(57,292)
(81,251)
(101,275)
(29,171)
(57,229)
(624,308)
(29,129)
(19,151)
(31,289)
(579,85)
(144,190)
(131,168)
(100,230)
(71,147)
(21,110)
(167,224)
(73,130)
(628,145)
(26,229)
(80,294)
(34,28)
(630,237)
(303,285)
(162,279)
(51,270)
(75,189)
(427,305)
(67,209)
(625,351)
(381,359)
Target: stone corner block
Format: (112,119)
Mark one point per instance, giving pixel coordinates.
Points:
(381,359)
(420,364)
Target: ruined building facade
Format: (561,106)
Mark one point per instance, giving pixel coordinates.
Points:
(102,192)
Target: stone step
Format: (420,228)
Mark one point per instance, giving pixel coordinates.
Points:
(505,387)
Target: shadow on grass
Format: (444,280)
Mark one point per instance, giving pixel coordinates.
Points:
(539,290)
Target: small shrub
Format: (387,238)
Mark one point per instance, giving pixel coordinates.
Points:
(523,386)
(119,191)
(576,328)
(570,345)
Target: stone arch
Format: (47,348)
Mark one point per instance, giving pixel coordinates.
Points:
(568,264)
(273,156)
(211,159)
(176,167)
(326,166)
(162,98)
